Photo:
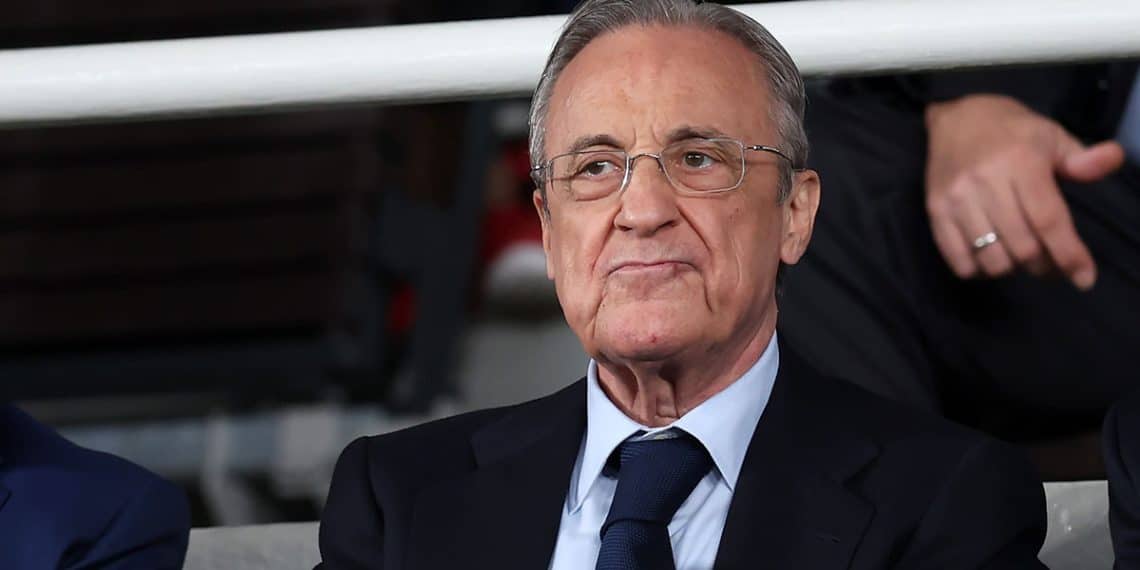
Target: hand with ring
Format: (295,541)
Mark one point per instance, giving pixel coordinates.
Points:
(992,194)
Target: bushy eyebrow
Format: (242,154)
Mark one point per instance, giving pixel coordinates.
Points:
(686,132)
(587,141)
(681,133)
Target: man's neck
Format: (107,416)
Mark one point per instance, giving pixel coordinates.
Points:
(657,394)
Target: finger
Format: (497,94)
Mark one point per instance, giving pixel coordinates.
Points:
(1049,268)
(974,223)
(1092,163)
(1049,219)
(950,241)
(1017,239)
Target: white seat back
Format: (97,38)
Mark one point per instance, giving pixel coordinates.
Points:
(1078,537)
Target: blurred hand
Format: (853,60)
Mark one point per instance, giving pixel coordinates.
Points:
(992,167)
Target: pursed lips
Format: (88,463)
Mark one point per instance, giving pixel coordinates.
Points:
(637,265)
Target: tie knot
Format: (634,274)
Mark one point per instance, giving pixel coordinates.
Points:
(655,476)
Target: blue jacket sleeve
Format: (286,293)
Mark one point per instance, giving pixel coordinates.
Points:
(149,532)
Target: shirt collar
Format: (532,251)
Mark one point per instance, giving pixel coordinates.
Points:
(723,424)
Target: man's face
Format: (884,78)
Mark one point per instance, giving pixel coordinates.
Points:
(646,274)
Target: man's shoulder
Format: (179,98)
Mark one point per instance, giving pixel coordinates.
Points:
(902,434)
(886,419)
(910,463)
(943,495)
(438,439)
(423,453)
(30,444)
(939,491)
(78,488)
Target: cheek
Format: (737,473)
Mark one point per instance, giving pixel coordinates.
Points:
(573,256)
(748,252)
(732,250)
(575,249)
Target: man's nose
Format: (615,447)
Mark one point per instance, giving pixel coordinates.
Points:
(648,203)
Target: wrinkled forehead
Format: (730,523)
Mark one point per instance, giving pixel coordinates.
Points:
(637,84)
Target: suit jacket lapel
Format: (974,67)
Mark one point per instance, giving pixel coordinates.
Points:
(506,513)
(791,508)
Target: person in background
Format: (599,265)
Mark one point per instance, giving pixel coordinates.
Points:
(668,152)
(66,507)
(1122,461)
(979,251)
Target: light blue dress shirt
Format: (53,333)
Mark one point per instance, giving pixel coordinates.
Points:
(723,424)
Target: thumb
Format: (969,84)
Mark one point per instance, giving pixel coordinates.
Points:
(1089,164)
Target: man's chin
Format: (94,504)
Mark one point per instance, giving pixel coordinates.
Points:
(647,330)
(643,344)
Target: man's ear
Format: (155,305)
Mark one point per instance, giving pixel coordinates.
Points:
(799,215)
(543,211)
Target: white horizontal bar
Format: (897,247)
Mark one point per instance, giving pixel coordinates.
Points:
(460,60)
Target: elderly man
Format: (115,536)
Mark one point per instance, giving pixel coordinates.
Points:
(667,141)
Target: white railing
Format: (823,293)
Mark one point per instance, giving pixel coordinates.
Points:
(461,60)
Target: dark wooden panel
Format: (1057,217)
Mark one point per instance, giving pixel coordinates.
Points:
(207,230)
(56,12)
(269,301)
(181,181)
(156,248)
(267,129)
(53,22)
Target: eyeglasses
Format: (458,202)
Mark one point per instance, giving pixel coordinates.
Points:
(698,166)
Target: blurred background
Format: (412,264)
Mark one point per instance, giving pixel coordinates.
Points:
(229,301)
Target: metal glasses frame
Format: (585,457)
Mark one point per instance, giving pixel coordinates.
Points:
(539,173)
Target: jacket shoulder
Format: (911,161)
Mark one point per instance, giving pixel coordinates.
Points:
(419,456)
(889,423)
(85,506)
(28,445)
(378,480)
(922,456)
(429,448)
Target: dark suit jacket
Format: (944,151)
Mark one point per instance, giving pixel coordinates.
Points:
(834,478)
(1122,462)
(62,506)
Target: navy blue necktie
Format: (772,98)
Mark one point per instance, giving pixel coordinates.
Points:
(654,477)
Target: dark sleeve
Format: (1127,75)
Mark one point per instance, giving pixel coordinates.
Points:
(1044,89)
(989,514)
(352,525)
(1122,463)
(150,532)
(1088,99)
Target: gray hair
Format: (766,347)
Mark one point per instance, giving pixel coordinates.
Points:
(594,18)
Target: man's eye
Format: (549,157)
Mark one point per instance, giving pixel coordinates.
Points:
(697,160)
(597,168)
